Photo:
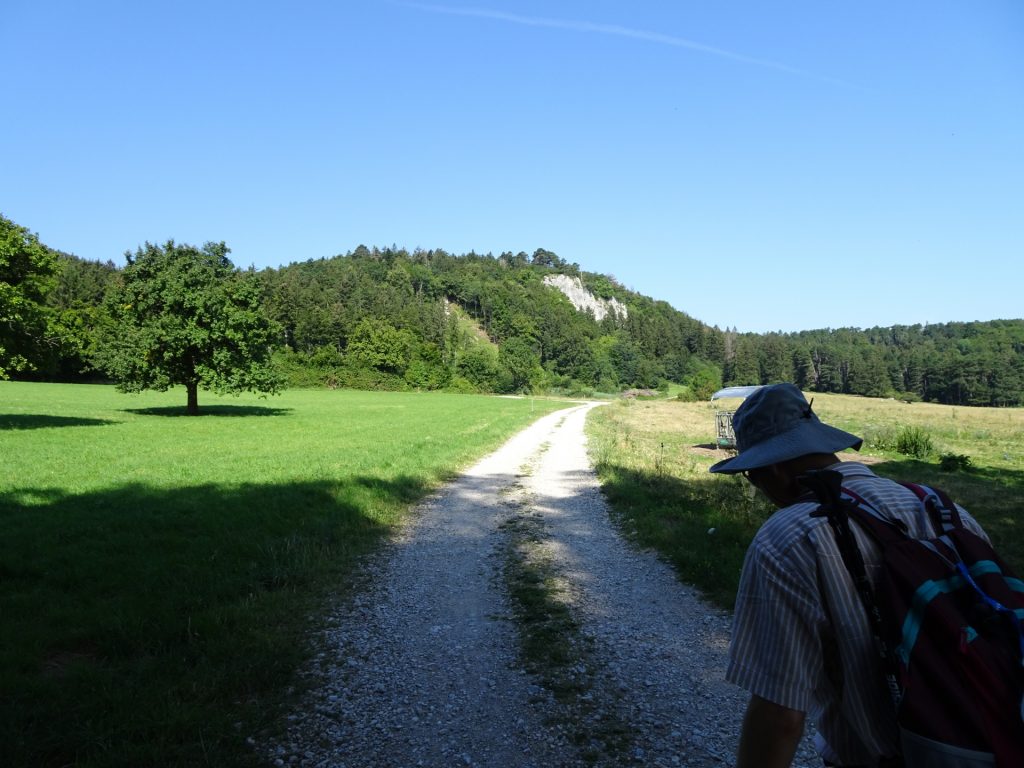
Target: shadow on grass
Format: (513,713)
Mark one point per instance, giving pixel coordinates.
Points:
(913,470)
(702,526)
(146,626)
(212,410)
(42,421)
(994,496)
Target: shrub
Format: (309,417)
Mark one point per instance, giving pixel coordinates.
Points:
(881,439)
(955,462)
(686,395)
(461,386)
(914,441)
(910,441)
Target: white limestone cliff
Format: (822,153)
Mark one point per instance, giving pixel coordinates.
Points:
(583,299)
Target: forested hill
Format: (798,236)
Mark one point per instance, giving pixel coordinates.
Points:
(473,322)
(391,318)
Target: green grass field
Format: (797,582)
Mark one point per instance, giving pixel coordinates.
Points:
(653,460)
(158,572)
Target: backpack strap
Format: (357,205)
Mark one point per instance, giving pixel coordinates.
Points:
(837,504)
(884,530)
(944,515)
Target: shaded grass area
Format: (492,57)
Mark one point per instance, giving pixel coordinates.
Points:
(211,410)
(994,496)
(45,421)
(653,459)
(159,576)
(143,622)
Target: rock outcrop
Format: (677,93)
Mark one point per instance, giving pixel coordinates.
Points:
(583,299)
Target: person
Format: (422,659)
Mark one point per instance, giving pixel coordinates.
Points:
(801,642)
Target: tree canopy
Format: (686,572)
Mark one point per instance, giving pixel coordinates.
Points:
(389,318)
(27,273)
(184,315)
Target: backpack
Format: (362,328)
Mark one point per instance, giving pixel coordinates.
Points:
(947,616)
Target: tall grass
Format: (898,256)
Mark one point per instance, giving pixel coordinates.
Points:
(653,459)
(158,573)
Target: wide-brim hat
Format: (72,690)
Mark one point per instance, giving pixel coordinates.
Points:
(776,424)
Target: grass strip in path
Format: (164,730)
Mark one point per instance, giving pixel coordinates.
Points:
(552,644)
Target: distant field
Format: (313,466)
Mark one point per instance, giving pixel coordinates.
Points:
(653,459)
(157,571)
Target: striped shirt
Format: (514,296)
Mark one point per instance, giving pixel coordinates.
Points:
(800,635)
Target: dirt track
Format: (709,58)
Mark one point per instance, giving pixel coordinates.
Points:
(422,668)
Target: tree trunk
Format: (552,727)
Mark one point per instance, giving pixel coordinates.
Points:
(193,398)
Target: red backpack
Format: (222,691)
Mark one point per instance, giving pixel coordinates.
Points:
(948,620)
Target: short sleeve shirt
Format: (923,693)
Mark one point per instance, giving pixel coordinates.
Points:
(800,635)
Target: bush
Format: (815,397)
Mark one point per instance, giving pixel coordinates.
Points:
(461,386)
(910,441)
(914,441)
(881,439)
(686,395)
(955,462)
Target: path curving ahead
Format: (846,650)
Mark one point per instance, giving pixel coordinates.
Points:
(421,668)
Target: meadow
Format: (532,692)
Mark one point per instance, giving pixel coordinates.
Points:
(653,457)
(159,573)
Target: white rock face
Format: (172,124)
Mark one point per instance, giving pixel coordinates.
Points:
(583,299)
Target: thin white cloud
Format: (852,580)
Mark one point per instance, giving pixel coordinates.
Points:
(619,31)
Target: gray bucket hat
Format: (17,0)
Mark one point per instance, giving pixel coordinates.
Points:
(776,424)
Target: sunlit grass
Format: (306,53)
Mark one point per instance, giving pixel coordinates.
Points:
(653,459)
(158,571)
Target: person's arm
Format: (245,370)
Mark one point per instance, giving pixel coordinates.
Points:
(770,735)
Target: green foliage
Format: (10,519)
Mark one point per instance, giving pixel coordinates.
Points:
(956,363)
(427,309)
(955,462)
(182,315)
(377,344)
(704,381)
(427,369)
(478,365)
(914,441)
(27,274)
(460,386)
(909,440)
(520,365)
(77,303)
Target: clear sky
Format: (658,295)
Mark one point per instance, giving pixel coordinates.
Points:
(760,165)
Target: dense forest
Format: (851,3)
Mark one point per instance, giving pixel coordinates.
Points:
(427,319)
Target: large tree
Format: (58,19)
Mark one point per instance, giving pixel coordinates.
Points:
(182,315)
(27,273)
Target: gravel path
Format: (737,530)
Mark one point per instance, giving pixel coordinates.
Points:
(421,667)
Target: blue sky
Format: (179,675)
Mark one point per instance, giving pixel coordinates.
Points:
(759,165)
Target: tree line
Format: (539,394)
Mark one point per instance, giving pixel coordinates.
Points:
(976,363)
(389,318)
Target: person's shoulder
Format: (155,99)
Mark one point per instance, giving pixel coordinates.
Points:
(875,489)
(788,526)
